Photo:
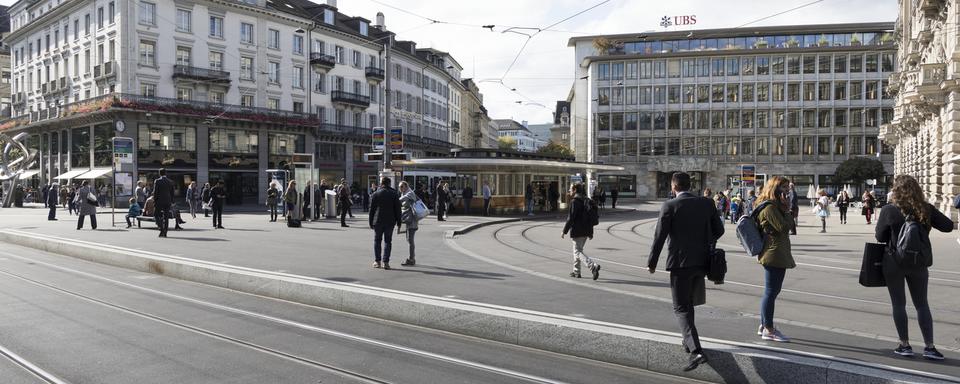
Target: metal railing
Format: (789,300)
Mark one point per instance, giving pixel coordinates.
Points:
(375,72)
(342,129)
(350,98)
(323,60)
(200,73)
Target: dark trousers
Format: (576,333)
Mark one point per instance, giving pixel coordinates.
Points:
(344,209)
(217,216)
(53,213)
(843,214)
(486,207)
(794,213)
(916,281)
(773,283)
(441,210)
(613,203)
(466,205)
(306,210)
(129,222)
(273,212)
(162,215)
(93,221)
(683,285)
(382,233)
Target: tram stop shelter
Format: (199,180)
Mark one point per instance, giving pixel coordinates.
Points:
(507,178)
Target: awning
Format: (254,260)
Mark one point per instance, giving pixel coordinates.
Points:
(29,174)
(72,174)
(95,173)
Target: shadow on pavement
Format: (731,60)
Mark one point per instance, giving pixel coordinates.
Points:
(198,238)
(453,272)
(633,282)
(341,279)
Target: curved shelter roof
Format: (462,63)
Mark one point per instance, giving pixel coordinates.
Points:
(501,164)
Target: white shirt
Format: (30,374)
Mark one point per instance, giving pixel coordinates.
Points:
(486,191)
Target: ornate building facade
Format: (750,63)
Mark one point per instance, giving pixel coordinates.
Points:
(926,124)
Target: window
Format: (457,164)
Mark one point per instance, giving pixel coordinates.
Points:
(763,92)
(763,65)
(298,106)
(793,65)
(617,71)
(646,70)
(733,93)
(840,63)
(148,90)
(76,30)
(856,63)
(246,68)
(148,15)
(809,91)
(148,53)
(273,103)
(216,60)
(183,56)
(338,52)
(246,100)
(603,71)
(823,64)
(717,93)
(872,90)
(823,145)
(746,66)
(246,33)
(112,9)
(717,67)
(823,90)
(99,17)
(216,97)
(840,90)
(184,20)
(357,59)
(871,63)
(273,72)
(321,83)
(778,66)
(273,40)
(297,77)
(297,45)
(748,93)
(809,64)
(632,70)
(659,69)
(886,61)
(778,91)
(184,94)
(328,16)
(793,92)
(86,26)
(733,66)
(216,26)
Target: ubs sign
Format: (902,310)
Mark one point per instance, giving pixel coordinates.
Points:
(669,21)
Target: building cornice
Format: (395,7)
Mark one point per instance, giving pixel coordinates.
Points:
(741,32)
(737,52)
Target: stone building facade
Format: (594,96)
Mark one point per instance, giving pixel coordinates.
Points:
(926,123)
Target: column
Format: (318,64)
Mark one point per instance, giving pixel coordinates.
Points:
(203,154)
(263,149)
(348,163)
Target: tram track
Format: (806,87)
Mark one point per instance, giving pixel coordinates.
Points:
(351,375)
(29,367)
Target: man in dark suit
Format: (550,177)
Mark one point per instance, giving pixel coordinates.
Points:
(163,200)
(442,198)
(384,215)
(691,223)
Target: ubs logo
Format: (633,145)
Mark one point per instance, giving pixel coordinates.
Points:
(669,21)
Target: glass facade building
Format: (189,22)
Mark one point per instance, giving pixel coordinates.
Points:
(792,102)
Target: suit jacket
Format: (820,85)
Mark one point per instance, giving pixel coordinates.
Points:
(163,191)
(691,223)
(578,224)
(385,208)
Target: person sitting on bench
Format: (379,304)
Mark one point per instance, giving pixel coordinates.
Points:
(150,206)
(134,211)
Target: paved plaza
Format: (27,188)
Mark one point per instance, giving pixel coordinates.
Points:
(524,264)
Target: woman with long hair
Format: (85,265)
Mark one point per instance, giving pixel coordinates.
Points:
(843,201)
(776,222)
(868,204)
(290,198)
(908,201)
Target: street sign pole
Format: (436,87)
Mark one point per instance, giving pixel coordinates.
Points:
(122,154)
(389,99)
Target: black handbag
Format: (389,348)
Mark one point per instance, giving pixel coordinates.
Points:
(871,271)
(717,261)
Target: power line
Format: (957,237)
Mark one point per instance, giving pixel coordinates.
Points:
(780,13)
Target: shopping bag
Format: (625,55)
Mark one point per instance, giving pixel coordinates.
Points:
(871,270)
(420,209)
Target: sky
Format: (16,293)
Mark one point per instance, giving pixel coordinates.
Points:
(544,72)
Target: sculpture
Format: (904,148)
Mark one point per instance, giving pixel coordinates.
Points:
(11,169)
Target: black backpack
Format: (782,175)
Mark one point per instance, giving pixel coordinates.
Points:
(592,211)
(912,249)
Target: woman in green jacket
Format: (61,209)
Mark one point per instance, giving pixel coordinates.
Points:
(776,222)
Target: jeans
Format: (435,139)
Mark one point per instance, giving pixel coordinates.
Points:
(129,222)
(217,216)
(93,221)
(273,212)
(382,233)
(579,256)
(529,206)
(486,207)
(916,280)
(773,283)
(193,208)
(413,248)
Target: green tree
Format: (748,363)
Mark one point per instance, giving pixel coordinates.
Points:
(858,170)
(507,143)
(555,149)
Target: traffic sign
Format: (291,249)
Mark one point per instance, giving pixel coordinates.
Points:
(377,157)
(748,174)
(396,139)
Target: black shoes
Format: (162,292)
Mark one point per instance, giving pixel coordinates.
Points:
(409,263)
(386,266)
(575,274)
(906,351)
(596,271)
(931,353)
(694,361)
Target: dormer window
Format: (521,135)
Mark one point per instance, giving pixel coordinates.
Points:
(328,16)
(363,28)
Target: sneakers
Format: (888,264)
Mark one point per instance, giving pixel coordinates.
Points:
(376,264)
(595,271)
(931,353)
(906,351)
(575,274)
(774,336)
(409,263)
(386,266)
(760,330)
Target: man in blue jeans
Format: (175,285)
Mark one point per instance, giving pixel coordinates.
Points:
(384,215)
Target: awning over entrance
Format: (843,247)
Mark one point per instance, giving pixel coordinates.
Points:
(492,164)
(29,174)
(95,173)
(72,174)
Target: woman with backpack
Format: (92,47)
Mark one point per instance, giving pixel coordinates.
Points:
(408,217)
(775,220)
(911,216)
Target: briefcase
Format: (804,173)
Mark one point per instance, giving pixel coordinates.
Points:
(871,271)
(718,266)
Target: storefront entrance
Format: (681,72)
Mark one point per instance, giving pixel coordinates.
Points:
(664,189)
(242,187)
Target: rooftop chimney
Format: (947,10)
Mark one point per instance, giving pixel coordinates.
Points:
(380,23)
(332,3)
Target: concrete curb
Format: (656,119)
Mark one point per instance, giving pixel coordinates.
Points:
(614,343)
